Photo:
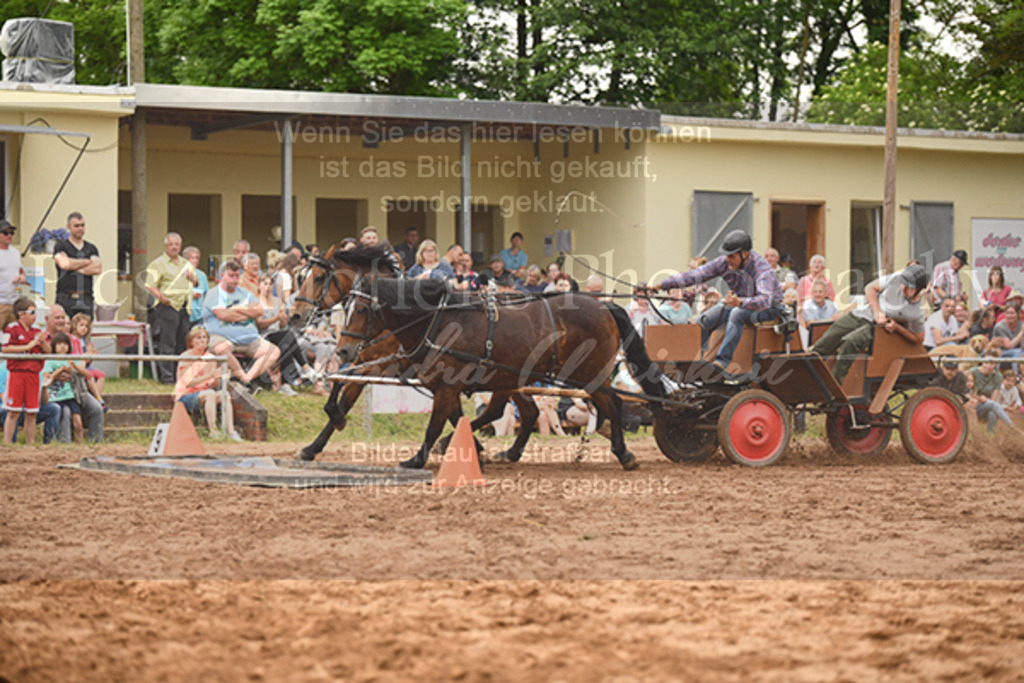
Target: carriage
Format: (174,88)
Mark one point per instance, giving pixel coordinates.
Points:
(749,413)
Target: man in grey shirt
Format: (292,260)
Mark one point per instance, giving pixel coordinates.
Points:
(893,301)
(1011,332)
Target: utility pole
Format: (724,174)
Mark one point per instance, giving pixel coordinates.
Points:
(891,111)
(136,75)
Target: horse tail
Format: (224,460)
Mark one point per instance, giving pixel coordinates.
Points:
(643,370)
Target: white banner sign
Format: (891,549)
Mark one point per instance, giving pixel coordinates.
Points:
(997,242)
(399,400)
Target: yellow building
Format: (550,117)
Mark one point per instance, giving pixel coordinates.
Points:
(629,192)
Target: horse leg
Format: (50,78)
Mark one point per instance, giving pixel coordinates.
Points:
(445,402)
(492,412)
(528,413)
(336,417)
(610,405)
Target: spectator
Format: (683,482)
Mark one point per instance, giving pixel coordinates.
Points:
(202,286)
(170,278)
(273,326)
(311,249)
(250,278)
(641,315)
(229,315)
(81,331)
(1009,395)
(92,409)
(22,397)
(578,413)
(892,301)
(942,327)
(983,321)
(407,250)
(552,270)
(997,292)
(676,311)
(369,237)
(49,414)
(816,274)
(12,274)
(563,284)
(465,276)
(284,279)
(987,384)
(57,376)
(534,283)
(786,274)
(197,383)
(497,273)
(429,265)
(952,379)
(77,262)
(710,300)
(514,258)
(1015,299)
(347,243)
(818,308)
(963,316)
(1009,334)
(946,279)
(241,248)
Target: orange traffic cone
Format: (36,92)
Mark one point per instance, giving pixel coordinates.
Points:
(182,437)
(460,465)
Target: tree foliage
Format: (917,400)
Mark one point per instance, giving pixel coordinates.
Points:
(402,47)
(758,59)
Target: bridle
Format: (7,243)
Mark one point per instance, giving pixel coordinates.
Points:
(330,277)
(366,337)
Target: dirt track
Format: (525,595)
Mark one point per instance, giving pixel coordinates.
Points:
(813,529)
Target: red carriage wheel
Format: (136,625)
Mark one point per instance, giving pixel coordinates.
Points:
(933,426)
(861,440)
(754,428)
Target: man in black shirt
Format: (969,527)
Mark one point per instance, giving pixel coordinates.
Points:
(407,249)
(77,263)
(951,378)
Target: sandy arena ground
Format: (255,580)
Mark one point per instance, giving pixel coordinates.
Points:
(820,567)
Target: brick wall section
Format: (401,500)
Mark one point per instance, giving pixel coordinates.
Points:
(250,415)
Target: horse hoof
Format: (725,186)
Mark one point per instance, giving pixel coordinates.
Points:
(507,456)
(306,455)
(413,464)
(628,462)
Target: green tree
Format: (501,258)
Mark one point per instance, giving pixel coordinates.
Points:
(400,47)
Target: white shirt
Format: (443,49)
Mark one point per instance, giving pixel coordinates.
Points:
(946,328)
(10,269)
(894,305)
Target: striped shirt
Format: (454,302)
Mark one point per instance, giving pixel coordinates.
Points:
(755,283)
(945,278)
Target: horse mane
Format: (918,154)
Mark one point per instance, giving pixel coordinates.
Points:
(416,296)
(381,257)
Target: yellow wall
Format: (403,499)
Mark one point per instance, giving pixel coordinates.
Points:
(45,160)
(980,177)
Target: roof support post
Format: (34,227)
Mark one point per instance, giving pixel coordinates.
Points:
(286,184)
(466,210)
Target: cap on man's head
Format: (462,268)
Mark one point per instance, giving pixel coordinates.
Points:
(915,277)
(949,362)
(6,225)
(785,258)
(495,257)
(961,256)
(1015,294)
(515,235)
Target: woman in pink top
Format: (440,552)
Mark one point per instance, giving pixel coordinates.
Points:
(816,272)
(997,291)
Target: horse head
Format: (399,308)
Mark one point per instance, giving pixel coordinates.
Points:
(326,281)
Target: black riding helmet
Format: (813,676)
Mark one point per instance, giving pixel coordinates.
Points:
(736,241)
(915,276)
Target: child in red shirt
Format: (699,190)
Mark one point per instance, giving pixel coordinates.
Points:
(23,375)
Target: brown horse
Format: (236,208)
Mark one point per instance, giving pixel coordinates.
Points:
(327,281)
(457,346)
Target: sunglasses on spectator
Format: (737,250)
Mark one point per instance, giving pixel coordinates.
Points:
(6,232)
